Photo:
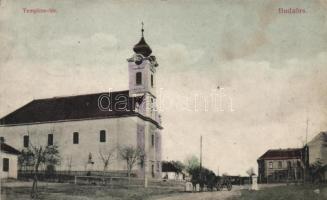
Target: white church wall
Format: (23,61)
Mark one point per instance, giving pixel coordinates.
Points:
(119,132)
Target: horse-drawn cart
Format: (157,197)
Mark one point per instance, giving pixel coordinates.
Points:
(224,182)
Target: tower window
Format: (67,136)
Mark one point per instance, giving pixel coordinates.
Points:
(75,138)
(26,140)
(138,78)
(102,136)
(5,166)
(151,80)
(50,139)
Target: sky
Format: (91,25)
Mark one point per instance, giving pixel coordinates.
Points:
(244,76)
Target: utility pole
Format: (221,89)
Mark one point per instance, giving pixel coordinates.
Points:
(306,132)
(201,152)
(200,175)
(305,152)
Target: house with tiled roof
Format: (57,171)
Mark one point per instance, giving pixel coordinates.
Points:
(84,125)
(281,165)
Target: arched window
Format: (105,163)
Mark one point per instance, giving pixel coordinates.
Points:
(26,140)
(75,138)
(102,136)
(138,78)
(50,139)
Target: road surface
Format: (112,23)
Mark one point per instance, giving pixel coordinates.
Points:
(220,195)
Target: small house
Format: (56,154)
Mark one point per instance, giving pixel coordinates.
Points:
(9,161)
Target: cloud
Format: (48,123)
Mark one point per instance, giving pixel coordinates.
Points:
(271,105)
(178,56)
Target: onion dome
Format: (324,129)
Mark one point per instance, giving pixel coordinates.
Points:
(142,47)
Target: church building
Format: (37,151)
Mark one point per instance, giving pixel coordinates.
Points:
(84,126)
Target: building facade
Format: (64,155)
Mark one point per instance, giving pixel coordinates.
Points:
(86,126)
(318,153)
(281,165)
(9,161)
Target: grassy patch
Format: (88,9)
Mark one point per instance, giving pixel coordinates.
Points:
(84,192)
(300,192)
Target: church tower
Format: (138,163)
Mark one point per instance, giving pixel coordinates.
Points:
(142,76)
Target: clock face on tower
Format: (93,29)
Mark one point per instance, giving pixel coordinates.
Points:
(138,59)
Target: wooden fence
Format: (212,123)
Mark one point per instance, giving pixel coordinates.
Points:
(129,182)
(117,179)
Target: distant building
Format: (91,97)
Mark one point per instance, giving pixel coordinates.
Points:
(9,161)
(281,165)
(318,152)
(170,172)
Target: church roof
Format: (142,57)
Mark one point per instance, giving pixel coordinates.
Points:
(80,107)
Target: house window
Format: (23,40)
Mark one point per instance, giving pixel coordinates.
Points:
(138,78)
(2,139)
(102,136)
(26,140)
(5,165)
(280,164)
(75,138)
(151,80)
(289,164)
(50,139)
(270,165)
(152,140)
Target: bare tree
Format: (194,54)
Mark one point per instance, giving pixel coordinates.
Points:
(37,155)
(69,162)
(131,155)
(106,156)
(191,162)
(250,171)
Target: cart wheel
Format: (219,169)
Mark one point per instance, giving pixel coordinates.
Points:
(229,187)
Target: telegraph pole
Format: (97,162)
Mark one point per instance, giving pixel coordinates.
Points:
(305,160)
(200,175)
(306,132)
(201,153)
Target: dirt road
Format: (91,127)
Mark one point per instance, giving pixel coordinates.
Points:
(222,195)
